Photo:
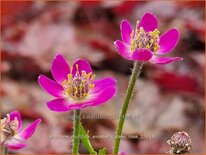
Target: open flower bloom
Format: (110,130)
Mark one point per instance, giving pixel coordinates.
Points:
(74,87)
(11,134)
(144,43)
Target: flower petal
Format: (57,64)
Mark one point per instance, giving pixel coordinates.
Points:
(142,54)
(126,30)
(60,68)
(123,49)
(14,144)
(101,84)
(103,96)
(168,41)
(83,65)
(50,86)
(164,60)
(63,105)
(16,114)
(28,132)
(97,98)
(148,22)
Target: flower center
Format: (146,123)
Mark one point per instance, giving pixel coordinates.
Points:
(142,39)
(77,86)
(8,128)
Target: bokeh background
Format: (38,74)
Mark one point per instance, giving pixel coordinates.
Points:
(167,99)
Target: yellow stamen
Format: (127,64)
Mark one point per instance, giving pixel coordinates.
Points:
(64,82)
(77,66)
(69,76)
(85,94)
(77,87)
(93,76)
(92,85)
(87,75)
(142,39)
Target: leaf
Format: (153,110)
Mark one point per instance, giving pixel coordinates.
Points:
(102,151)
(85,139)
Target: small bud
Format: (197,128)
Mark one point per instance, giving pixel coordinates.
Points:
(180,143)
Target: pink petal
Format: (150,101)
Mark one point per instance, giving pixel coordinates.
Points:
(126,30)
(168,41)
(123,49)
(28,132)
(103,96)
(164,60)
(142,54)
(14,144)
(101,84)
(148,22)
(16,114)
(97,98)
(50,86)
(83,65)
(63,105)
(60,69)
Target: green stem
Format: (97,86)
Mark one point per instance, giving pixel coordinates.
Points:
(135,73)
(4,149)
(75,147)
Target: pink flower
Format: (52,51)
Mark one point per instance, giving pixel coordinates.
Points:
(144,43)
(11,134)
(74,87)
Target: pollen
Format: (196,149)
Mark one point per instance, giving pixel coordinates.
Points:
(77,86)
(142,39)
(91,86)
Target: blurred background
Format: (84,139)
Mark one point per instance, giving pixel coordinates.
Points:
(168,98)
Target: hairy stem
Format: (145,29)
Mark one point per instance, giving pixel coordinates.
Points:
(75,147)
(4,149)
(135,73)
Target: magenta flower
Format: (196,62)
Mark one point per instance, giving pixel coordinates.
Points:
(11,134)
(74,87)
(144,43)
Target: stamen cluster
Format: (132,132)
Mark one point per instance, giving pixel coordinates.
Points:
(142,39)
(8,128)
(78,86)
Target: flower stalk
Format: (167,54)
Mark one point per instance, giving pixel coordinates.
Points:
(135,74)
(4,149)
(76,121)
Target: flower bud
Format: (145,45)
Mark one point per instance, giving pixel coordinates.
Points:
(180,143)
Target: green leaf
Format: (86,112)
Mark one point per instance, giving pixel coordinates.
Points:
(85,140)
(102,151)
